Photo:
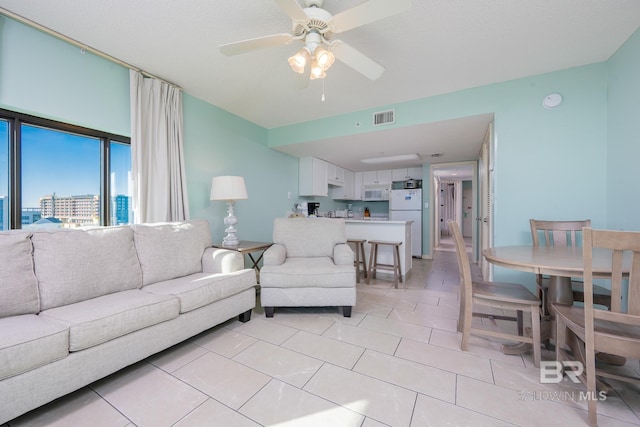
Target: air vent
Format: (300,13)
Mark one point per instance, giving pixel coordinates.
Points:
(384,117)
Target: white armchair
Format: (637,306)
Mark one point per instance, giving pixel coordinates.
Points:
(309,265)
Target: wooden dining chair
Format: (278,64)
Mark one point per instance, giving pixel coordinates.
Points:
(615,332)
(502,296)
(563,233)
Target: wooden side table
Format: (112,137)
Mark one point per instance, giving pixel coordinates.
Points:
(247,247)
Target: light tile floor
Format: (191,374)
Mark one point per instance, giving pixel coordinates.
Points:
(396,362)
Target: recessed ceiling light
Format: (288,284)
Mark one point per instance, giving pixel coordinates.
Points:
(391,159)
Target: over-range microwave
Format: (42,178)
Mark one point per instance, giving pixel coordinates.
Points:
(372,193)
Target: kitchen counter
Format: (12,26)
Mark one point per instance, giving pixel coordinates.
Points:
(385,221)
(378,229)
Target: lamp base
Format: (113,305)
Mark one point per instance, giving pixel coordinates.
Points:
(231,239)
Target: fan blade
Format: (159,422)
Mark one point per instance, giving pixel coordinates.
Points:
(356,60)
(257,43)
(367,12)
(293,9)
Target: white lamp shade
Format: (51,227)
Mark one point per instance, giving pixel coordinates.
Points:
(228,188)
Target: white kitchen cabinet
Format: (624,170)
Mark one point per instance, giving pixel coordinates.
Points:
(312,177)
(404,174)
(376,177)
(357,185)
(345,191)
(335,174)
(369,177)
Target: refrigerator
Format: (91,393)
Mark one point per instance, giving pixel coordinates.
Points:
(406,205)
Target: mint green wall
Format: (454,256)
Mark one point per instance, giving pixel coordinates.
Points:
(47,77)
(623,150)
(219,143)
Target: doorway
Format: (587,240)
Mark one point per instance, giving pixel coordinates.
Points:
(454,197)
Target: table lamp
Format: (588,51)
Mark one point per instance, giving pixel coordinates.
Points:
(229,189)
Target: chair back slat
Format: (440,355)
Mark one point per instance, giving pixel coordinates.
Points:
(557,233)
(624,247)
(633,300)
(623,318)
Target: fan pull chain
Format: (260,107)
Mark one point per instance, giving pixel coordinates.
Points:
(322,91)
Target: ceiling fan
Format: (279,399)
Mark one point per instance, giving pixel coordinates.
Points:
(315,27)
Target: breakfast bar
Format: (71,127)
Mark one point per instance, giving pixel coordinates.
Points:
(399,231)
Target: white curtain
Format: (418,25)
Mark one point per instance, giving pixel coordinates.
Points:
(157,160)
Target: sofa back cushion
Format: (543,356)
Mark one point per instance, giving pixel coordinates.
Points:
(170,250)
(309,237)
(18,284)
(76,265)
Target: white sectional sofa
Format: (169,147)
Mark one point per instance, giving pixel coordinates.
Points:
(77,305)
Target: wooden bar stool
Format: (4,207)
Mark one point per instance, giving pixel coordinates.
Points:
(360,258)
(374,265)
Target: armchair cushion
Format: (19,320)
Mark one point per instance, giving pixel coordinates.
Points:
(315,272)
(309,237)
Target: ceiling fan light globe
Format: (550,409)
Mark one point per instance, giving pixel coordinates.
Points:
(317,72)
(299,61)
(324,58)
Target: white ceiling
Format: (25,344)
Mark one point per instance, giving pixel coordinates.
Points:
(437,46)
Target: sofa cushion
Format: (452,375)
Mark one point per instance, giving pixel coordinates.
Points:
(18,284)
(76,265)
(200,289)
(170,250)
(101,319)
(30,341)
(317,272)
(296,233)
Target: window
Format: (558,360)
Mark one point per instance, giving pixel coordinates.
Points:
(4,175)
(65,176)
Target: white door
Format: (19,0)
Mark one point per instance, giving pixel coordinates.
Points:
(484,213)
(467,212)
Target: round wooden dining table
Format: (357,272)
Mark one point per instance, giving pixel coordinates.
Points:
(560,263)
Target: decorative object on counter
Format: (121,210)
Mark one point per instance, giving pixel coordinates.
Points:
(229,189)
